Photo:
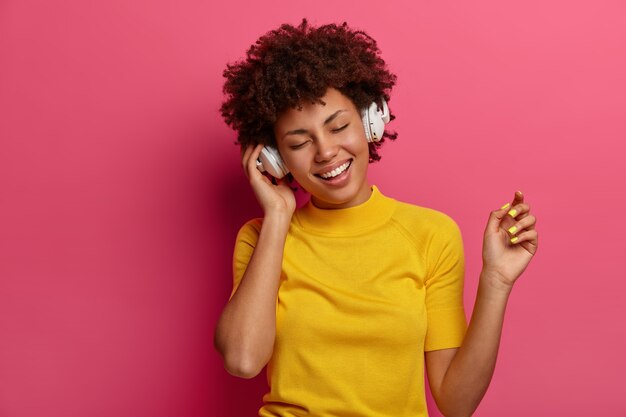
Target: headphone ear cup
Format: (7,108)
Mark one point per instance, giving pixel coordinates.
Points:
(373,121)
(270,161)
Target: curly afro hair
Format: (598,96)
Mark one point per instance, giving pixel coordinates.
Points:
(291,65)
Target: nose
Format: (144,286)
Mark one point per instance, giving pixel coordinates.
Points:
(327,148)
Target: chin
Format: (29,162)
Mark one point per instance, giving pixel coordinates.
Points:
(338,196)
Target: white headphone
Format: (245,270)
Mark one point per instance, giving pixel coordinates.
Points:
(374,121)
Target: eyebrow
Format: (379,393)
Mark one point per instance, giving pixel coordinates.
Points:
(328,120)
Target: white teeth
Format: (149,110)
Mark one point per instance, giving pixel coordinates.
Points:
(336,171)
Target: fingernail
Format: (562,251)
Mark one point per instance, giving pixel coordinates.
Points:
(512,230)
(505,206)
(515,239)
(512,212)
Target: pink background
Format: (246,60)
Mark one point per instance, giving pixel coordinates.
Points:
(121,191)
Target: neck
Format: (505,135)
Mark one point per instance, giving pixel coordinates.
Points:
(361,197)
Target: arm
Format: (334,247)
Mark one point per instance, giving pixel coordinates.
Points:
(460,377)
(246,329)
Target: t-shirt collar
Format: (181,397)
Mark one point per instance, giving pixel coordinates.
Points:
(367,215)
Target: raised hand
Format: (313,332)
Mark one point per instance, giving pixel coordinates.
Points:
(510,241)
(274,199)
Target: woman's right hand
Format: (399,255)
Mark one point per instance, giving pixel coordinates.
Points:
(274,199)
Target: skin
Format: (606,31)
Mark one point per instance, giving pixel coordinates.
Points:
(317,137)
(458,377)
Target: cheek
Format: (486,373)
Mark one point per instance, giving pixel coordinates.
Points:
(357,136)
(297,164)
(358,144)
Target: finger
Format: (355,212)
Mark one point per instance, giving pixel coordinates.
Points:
(528,239)
(245,154)
(282,182)
(245,161)
(517,210)
(522,225)
(525,236)
(517,199)
(495,218)
(252,158)
(531,223)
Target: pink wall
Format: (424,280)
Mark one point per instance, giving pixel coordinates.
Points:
(121,192)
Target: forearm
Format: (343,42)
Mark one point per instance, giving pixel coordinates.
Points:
(471,370)
(247,326)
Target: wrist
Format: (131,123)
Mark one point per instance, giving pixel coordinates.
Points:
(493,283)
(279,210)
(277,220)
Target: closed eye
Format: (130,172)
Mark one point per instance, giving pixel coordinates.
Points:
(299,145)
(341,128)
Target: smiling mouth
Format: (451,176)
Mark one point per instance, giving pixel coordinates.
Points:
(337,172)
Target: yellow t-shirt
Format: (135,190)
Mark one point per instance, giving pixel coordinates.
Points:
(364,291)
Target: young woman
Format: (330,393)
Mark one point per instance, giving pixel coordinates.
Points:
(349,298)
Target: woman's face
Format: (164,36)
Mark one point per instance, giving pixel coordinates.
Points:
(326,151)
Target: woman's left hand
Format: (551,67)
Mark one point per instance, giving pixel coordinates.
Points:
(503,260)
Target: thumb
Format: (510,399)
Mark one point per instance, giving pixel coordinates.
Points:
(495,218)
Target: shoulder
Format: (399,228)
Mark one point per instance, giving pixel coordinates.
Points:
(434,232)
(253,224)
(250,230)
(424,221)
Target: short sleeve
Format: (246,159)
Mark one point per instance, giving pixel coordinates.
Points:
(245,243)
(446,322)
